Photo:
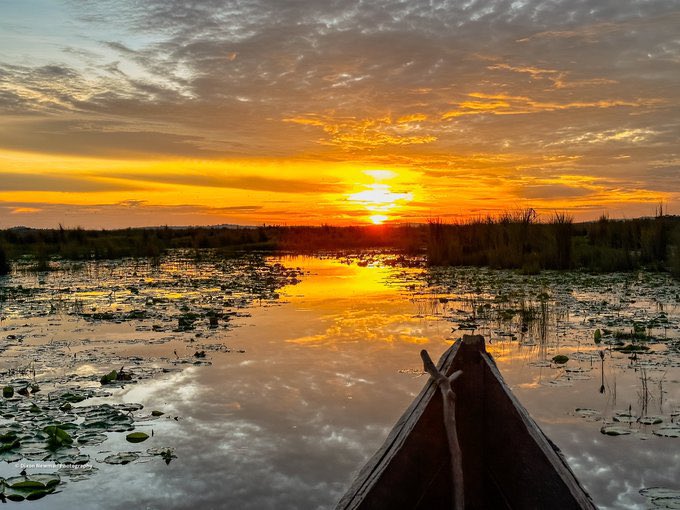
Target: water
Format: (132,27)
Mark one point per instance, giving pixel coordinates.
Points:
(314,359)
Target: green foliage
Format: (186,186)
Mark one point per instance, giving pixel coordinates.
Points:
(137,437)
(518,241)
(57,437)
(598,336)
(116,375)
(560,359)
(109,378)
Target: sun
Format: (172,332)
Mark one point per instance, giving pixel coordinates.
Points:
(379,201)
(378,219)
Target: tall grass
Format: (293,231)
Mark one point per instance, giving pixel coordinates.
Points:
(518,240)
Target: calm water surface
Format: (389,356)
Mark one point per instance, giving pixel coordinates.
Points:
(307,385)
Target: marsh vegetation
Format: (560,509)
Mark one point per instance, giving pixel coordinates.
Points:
(513,240)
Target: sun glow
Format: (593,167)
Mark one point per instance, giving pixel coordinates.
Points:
(379,200)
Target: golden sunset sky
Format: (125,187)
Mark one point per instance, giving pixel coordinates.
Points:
(127,113)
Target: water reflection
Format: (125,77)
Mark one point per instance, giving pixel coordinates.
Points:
(325,373)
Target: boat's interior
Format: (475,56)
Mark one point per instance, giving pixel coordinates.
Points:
(507,461)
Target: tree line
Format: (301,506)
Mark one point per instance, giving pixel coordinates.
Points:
(513,240)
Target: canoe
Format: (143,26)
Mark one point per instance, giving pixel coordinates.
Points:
(507,461)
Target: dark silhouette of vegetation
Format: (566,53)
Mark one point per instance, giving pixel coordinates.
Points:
(4,262)
(41,245)
(513,240)
(517,240)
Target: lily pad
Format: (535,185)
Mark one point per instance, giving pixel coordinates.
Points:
(121,458)
(167,454)
(625,417)
(91,438)
(137,437)
(662,498)
(615,430)
(29,487)
(586,413)
(651,420)
(668,431)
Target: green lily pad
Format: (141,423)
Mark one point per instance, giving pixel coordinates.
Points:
(27,485)
(30,487)
(137,437)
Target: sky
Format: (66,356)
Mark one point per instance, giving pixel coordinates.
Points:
(283,112)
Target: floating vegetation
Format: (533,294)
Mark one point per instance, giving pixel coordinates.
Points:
(175,300)
(597,336)
(116,376)
(668,431)
(661,497)
(560,359)
(625,417)
(651,420)
(28,487)
(585,412)
(167,454)
(57,437)
(137,437)
(173,315)
(121,458)
(630,348)
(616,430)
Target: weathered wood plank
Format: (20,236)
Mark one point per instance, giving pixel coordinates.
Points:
(403,472)
(539,475)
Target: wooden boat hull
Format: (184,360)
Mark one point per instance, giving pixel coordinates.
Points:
(507,460)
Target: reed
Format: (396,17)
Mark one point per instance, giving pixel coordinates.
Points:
(519,240)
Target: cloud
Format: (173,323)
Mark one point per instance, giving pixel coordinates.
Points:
(14,181)
(240,76)
(242,182)
(553,191)
(439,86)
(127,213)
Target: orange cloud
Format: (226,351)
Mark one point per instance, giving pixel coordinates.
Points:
(351,133)
(25,210)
